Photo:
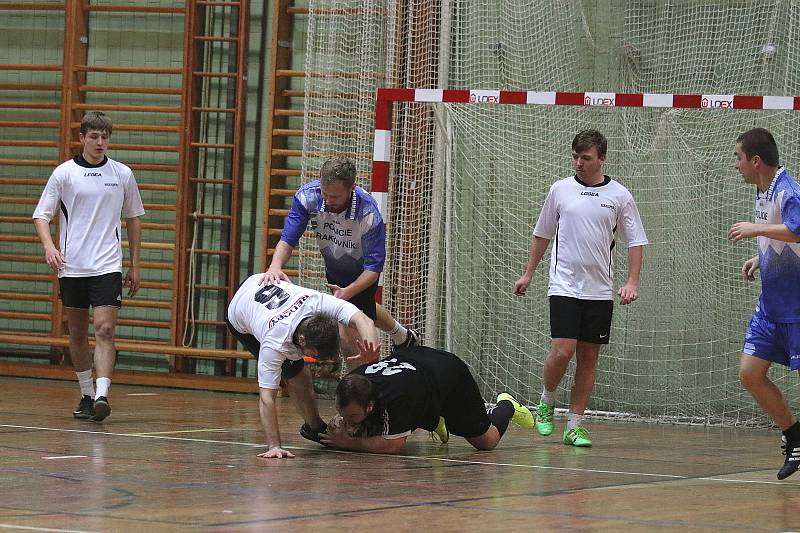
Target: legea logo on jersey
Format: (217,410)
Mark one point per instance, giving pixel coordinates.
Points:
(111,184)
(589,193)
(92,174)
(721,101)
(489,97)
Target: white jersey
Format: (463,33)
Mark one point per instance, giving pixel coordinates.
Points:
(90,199)
(583,221)
(271,314)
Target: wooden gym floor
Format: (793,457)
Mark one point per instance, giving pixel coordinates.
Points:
(174,460)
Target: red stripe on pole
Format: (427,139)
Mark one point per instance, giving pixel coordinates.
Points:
(379,294)
(570,98)
(513,97)
(380,176)
(397,95)
(748,102)
(629,100)
(383,114)
(796,102)
(690,101)
(455,96)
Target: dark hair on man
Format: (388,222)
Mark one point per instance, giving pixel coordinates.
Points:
(321,332)
(95,121)
(356,388)
(338,169)
(759,142)
(588,138)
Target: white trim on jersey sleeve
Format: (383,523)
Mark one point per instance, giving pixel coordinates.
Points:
(343,310)
(547,223)
(270,364)
(132,204)
(49,201)
(632,227)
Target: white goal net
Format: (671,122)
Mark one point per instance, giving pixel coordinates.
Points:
(467,180)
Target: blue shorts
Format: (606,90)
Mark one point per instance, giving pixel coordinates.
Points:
(778,342)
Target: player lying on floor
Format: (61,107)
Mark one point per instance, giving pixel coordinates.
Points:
(382,403)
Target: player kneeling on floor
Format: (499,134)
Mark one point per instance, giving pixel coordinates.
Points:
(382,403)
(280,324)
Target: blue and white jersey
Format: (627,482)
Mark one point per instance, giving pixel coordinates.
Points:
(779,261)
(350,242)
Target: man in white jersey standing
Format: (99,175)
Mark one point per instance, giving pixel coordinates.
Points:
(351,237)
(279,324)
(90,192)
(583,213)
(773,334)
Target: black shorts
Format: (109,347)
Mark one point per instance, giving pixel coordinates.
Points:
(583,320)
(462,407)
(95,291)
(289,368)
(364,300)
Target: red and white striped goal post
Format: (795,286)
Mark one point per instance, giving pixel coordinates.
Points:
(381,155)
(386,97)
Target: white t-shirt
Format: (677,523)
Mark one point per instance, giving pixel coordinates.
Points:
(271,314)
(90,199)
(582,222)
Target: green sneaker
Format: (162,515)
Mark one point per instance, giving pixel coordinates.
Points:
(544,419)
(577,436)
(441,433)
(522,415)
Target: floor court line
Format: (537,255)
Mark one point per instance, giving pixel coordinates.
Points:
(440,459)
(31,528)
(205,430)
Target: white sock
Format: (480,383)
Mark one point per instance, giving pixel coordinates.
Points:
(102,387)
(573,420)
(547,397)
(85,381)
(398,333)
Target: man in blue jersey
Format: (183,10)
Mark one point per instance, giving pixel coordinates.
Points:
(89,193)
(773,334)
(583,213)
(351,237)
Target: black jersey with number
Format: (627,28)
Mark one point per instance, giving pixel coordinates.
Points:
(412,384)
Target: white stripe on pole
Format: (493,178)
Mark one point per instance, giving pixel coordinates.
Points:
(382,147)
(713,101)
(778,102)
(600,99)
(428,95)
(380,199)
(485,97)
(657,100)
(545,98)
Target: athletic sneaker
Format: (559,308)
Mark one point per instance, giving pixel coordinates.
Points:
(441,433)
(412,339)
(307,433)
(84,409)
(792,462)
(101,409)
(544,419)
(577,436)
(522,415)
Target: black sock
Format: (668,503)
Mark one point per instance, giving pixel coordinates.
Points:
(500,415)
(792,433)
